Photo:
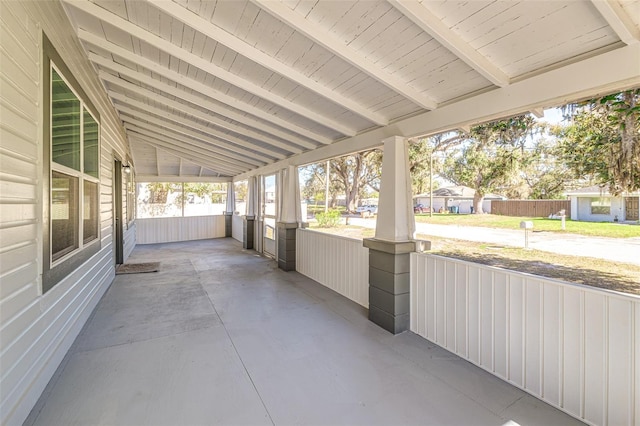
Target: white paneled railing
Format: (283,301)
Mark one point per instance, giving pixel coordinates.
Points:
(169,229)
(573,346)
(237,223)
(340,263)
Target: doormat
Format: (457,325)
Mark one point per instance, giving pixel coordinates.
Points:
(138,268)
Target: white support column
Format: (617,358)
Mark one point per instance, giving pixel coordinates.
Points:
(231,198)
(395,212)
(288,218)
(389,250)
(248,226)
(290,211)
(228,210)
(252,196)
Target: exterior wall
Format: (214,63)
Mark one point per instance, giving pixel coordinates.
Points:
(170,229)
(36,330)
(236,227)
(340,263)
(584,210)
(463,205)
(572,346)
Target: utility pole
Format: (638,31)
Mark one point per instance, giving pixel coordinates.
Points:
(431,184)
(326,192)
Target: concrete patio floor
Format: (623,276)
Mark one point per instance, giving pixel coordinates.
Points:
(221,336)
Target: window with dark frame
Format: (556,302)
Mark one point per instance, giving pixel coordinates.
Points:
(71,168)
(75,167)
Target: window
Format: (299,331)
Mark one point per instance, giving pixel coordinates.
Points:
(74,171)
(71,170)
(240,196)
(601,206)
(130,204)
(159,199)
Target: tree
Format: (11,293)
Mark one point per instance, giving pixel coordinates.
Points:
(491,156)
(314,186)
(420,158)
(356,171)
(543,174)
(603,141)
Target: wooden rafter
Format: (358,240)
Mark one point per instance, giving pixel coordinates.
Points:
(619,20)
(232,42)
(431,24)
(179,106)
(191,145)
(241,144)
(202,101)
(321,36)
(204,65)
(230,150)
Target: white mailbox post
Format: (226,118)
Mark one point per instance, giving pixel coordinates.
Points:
(526,225)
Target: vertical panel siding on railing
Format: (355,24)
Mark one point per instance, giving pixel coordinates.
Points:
(171,229)
(340,263)
(237,223)
(572,346)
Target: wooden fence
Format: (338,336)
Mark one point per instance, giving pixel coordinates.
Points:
(530,208)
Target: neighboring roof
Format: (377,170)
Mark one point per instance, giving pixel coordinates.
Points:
(458,192)
(595,190)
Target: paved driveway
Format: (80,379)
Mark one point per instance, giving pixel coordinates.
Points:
(617,249)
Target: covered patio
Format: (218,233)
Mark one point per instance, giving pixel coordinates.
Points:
(222,336)
(98,96)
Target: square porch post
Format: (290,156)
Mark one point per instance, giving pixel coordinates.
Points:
(288,219)
(389,250)
(229,208)
(248,224)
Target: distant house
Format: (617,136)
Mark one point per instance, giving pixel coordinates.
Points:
(595,204)
(457,196)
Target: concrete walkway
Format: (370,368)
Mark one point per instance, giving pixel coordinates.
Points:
(625,250)
(220,336)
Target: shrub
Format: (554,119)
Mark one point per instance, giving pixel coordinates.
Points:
(329,219)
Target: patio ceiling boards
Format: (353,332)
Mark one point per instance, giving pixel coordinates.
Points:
(218,89)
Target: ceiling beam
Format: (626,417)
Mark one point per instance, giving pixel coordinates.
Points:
(618,20)
(181,141)
(184,154)
(177,179)
(201,115)
(432,25)
(194,139)
(204,102)
(232,42)
(190,83)
(608,72)
(240,144)
(321,36)
(213,143)
(206,66)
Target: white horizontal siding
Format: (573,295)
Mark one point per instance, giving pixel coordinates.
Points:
(572,346)
(169,229)
(237,224)
(37,330)
(340,263)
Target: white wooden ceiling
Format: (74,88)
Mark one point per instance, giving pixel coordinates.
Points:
(219,88)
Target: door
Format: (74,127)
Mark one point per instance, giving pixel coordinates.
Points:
(631,205)
(269,191)
(118,236)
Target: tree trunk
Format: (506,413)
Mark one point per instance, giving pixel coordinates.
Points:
(478,198)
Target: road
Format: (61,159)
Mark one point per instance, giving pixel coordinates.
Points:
(616,249)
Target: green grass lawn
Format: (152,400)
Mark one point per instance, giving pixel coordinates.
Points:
(595,229)
(601,273)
